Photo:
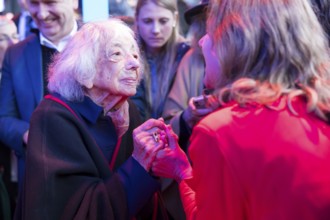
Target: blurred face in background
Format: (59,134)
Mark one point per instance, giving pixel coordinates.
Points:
(22,4)
(212,65)
(54,18)
(155,25)
(8,36)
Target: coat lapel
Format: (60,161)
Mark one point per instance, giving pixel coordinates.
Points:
(34,67)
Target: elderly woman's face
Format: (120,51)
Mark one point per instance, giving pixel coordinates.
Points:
(118,72)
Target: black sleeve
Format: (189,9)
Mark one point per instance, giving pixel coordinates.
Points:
(184,135)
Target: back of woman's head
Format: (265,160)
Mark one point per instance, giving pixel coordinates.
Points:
(279,42)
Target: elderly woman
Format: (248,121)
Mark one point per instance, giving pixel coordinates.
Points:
(265,154)
(76,131)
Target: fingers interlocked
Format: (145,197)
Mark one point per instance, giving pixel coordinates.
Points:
(155,135)
(147,141)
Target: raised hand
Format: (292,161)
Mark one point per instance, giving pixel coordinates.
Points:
(148,139)
(171,161)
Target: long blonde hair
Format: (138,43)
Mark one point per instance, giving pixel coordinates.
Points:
(269,48)
(166,58)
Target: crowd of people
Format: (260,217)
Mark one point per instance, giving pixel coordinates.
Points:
(134,117)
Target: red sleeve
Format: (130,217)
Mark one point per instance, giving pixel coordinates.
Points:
(188,199)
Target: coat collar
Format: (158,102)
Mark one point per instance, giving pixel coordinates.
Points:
(33,59)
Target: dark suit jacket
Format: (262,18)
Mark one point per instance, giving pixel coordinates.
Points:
(21,90)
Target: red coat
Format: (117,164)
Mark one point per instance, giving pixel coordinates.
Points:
(256,163)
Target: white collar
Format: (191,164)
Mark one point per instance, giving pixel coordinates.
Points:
(62,43)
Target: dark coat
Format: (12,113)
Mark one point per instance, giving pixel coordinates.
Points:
(67,176)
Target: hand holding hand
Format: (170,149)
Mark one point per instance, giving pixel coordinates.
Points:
(171,161)
(147,141)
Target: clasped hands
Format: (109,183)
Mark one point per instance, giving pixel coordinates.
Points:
(156,149)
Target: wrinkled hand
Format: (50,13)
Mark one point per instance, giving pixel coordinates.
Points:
(171,161)
(192,115)
(145,144)
(120,118)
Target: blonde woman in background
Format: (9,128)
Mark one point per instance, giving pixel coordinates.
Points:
(157,27)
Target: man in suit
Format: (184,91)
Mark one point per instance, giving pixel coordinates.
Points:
(24,71)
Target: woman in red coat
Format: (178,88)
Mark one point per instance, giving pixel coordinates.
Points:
(265,154)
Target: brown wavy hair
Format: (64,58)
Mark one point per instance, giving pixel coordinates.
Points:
(270,48)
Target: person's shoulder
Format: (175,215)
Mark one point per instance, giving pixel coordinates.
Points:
(52,109)
(183,47)
(233,115)
(221,117)
(250,114)
(193,58)
(16,17)
(31,39)
(189,54)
